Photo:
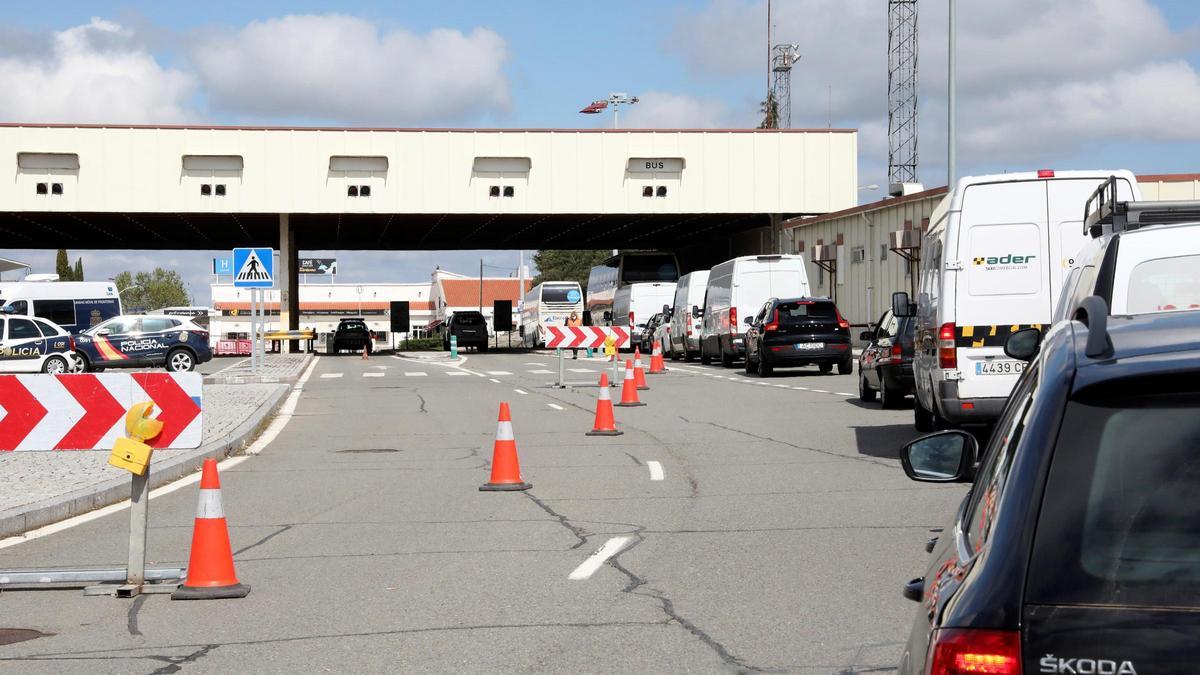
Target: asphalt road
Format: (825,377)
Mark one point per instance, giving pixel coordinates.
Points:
(778,538)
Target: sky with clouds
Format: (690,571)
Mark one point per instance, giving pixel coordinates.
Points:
(1066,84)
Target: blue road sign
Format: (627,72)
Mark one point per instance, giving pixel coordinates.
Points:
(223,266)
(254,267)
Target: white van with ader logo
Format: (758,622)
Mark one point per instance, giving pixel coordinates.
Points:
(992,262)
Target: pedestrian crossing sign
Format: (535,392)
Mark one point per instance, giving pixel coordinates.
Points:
(254,267)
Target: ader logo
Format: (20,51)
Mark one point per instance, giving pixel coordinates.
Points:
(1006,259)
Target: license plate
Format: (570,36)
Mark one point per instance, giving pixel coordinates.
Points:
(999,367)
(809,346)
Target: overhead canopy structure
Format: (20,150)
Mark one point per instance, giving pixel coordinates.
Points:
(7,265)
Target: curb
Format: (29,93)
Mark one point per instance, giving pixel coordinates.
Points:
(217,378)
(22,519)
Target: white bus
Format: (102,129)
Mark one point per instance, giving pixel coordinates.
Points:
(548,304)
(618,272)
(74,305)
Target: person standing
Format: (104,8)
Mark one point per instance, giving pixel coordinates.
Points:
(572,322)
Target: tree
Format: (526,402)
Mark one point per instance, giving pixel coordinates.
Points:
(770,112)
(567,265)
(78,273)
(63,266)
(147,291)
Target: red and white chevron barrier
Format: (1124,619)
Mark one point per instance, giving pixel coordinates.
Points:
(87,412)
(570,337)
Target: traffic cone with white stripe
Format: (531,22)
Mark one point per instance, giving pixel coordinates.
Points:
(639,372)
(506,470)
(657,367)
(629,395)
(210,573)
(605,425)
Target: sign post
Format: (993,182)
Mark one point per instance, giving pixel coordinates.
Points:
(254,268)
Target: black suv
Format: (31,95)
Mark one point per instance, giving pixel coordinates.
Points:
(351,334)
(470,328)
(885,365)
(1077,549)
(798,332)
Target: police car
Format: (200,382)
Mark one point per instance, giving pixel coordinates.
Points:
(147,340)
(32,345)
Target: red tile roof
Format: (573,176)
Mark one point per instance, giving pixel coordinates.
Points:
(465,292)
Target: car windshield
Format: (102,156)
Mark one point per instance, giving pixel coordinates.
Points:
(805,310)
(117,325)
(1119,526)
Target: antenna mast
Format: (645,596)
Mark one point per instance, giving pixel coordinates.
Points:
(902,94)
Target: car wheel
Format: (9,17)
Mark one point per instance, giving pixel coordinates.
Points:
(482,348)
(688,357)
(764,369)
(84,364)
(826,368)
(749,366)
(888,397)
(55,365)
(922,418)
(865,393)
(845,367)
(180,361)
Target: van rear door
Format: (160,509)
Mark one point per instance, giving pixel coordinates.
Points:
(1065,201)
(756,281)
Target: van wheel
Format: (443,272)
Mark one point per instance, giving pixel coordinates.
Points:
(922,418)
(180,361)
(705,359)
(689,356)
(726,359)
(55,365)
(865,393)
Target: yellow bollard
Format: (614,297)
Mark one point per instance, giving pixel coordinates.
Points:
(132,454)
(610,347)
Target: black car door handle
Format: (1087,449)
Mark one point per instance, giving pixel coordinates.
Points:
(914,589)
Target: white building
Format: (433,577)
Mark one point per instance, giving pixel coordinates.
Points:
(450,293)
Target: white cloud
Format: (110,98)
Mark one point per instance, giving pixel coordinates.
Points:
(343,68)
(97,72)
(668,110)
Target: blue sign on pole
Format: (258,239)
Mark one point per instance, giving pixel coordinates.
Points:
(223,266)
(254,267)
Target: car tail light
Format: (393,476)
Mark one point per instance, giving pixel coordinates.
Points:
(963,651)
(773,325)
(1045,173)
(733,324)
(687,330)
(947,353)
(631,323)
(897,353)
(842,322)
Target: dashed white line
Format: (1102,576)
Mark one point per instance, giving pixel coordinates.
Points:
(494,380)
(842,393)
(542,372)
(800,388)
(456,373)
(373,374)
(555,406)
(656,470)
(782,386)
(588,567)
(531,363)
(820,391)
(498,372)
(521,392)
(415,373)
(579,370)
(329,376)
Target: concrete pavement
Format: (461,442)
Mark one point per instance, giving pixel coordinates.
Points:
(777,539)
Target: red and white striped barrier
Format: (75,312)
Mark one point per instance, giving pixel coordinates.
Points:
(87,412)
(582,337)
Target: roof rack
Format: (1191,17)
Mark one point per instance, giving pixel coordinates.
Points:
(1102,212)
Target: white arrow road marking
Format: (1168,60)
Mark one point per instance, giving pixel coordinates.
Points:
(588,567)
(656,470)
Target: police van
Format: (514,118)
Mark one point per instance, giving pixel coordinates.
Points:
(30,345)
(73,305)
(171,342)
(993,262)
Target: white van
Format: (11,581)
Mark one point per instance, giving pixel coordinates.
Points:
(684,333)
(74,305)
(634,304)
(993,261)
(1143,257)
(737,289)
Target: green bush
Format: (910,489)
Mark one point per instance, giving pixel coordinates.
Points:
(420,345)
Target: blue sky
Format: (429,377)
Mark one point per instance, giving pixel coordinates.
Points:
(1064,84)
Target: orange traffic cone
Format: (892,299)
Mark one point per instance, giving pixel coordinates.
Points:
(629,396)
(210,574)
(605,424)
(365,354)
(506,471)
(657,367)
(639,373)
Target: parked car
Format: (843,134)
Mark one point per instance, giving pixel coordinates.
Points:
(646,339)
(138,341)
(351,334)
(29,345)
(736,289)
(662,334)
(885,365)
(470,329)
(1076,549)
(685,316)
(791,332)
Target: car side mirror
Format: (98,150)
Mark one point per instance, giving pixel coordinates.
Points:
(867,336)
(749,321)
(8,309)
(697,312)
(944,457)
(902,306)
(1024,344)
(666,309)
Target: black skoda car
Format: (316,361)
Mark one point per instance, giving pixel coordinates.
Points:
(1077,549)
(790,332)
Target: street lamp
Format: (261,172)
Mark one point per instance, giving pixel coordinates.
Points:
(951,96)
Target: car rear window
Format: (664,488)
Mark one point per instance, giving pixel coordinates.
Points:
(1118,523)
(561,294)
(1165,285)
(796,312)
(469,319)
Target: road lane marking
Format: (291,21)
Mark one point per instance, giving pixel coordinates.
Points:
(800,388)
(498,372)
(542,372)
(494,380)
(326,376)
(521,392)
(373,374)
(531,363)
(820,391)
(782,386)
(588,567)
(656,470)
(457,373)
(555,406)
(580,370)
(415,373)
(842,393)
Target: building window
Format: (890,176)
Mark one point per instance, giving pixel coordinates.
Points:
(858,254)
(205,189)
(56,188)
(661,191)
(494,191)
(509,191)
(352,191)
(220,189)
(883,253)
(364,191)
(647,191)
(41,188)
